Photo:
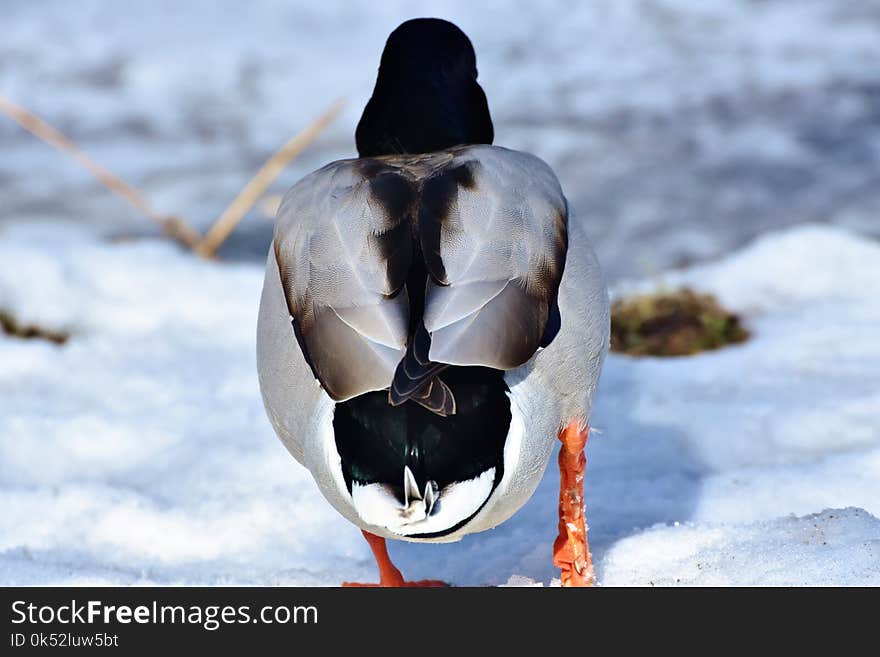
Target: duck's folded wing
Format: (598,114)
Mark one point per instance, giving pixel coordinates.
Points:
(343,261)
(494,234)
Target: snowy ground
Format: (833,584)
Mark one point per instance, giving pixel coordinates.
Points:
(680,128)
(139,451)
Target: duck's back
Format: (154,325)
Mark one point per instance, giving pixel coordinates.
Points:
(411,285)
(469,242)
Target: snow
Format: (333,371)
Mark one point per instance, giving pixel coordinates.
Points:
(139,452)
(835,547)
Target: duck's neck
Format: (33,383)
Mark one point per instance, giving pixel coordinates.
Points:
(423,112)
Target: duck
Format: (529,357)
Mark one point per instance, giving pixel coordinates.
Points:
(432,322)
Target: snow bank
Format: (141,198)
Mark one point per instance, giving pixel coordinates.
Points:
(139,451)
(835,547)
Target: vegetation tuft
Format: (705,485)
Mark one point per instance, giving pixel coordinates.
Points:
(672,323)
(12,327)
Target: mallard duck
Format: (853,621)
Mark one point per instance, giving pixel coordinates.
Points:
(431,320)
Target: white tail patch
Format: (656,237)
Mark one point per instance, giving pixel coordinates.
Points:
(422,512)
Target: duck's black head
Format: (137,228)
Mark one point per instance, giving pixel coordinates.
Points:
(426,96)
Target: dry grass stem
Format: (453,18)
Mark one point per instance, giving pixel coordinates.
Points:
(258,185)
(176,227)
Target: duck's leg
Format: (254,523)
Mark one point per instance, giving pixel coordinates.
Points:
(571,552)
(389,575)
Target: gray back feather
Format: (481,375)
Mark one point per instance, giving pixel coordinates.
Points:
(352,328)
(503,247)
(488,224)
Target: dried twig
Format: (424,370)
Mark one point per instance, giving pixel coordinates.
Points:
(174,226)
(257,185)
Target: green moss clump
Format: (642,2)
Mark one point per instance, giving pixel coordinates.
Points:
(672,323)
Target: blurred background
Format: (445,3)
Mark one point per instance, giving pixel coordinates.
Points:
(679,128)
(134,446)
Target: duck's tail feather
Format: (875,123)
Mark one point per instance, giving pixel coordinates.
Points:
(416,378)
